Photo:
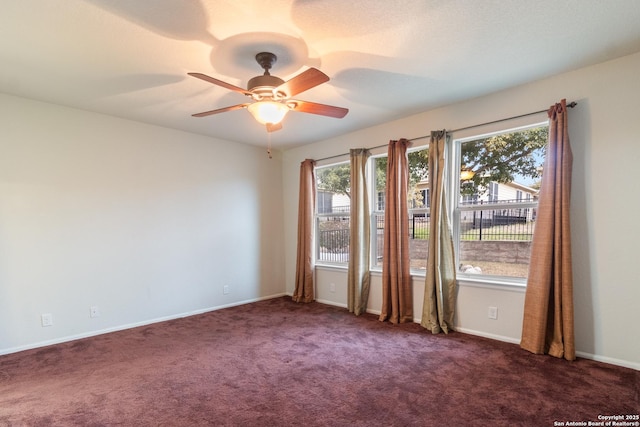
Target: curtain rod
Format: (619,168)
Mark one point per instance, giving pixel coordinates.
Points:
(346,154)
(570,105)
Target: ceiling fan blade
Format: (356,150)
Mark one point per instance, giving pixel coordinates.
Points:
(221,110)
(273,127)
(220,83)
(303,81)
(321,109)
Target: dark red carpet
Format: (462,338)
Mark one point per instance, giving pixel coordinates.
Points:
(277,363)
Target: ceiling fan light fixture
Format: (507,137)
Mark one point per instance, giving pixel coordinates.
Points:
(268,111)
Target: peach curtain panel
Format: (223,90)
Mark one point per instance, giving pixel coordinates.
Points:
(548,308)
(440,278)
(304,290)
(397,294)
(358,275)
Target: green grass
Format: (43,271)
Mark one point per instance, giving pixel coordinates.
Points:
(421,233)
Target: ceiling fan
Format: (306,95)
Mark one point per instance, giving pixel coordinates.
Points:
(271,95)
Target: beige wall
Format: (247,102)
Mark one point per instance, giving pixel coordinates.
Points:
(146,223)
(604,131)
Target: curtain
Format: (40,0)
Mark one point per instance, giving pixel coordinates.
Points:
(440,280)
(359,235)
(306,207)
(397,297)
(548,308)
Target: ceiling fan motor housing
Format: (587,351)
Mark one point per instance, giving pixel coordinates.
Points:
(264,85)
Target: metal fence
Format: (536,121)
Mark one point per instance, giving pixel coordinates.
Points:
(497,224)
(479,225)
(333,245)
(332,241)
(418,225)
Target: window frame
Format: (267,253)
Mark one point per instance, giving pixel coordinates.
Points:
(453,177)
(317,215)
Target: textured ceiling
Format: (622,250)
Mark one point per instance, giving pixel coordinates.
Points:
(386,58)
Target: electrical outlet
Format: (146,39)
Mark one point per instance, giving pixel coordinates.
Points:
(493,313)
(332,287)
(225,289)
(47,319)
(94,311)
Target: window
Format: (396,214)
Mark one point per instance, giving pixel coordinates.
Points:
(495,204)
(493,191)
(332,213)
(418,204)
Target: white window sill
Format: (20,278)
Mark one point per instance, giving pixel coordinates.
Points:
(492,283)
(334,267)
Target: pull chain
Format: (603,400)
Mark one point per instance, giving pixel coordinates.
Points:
(269,144)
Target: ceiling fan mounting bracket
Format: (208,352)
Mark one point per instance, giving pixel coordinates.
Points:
(266,61)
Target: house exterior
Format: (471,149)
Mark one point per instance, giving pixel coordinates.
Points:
(328,202)
(501,194)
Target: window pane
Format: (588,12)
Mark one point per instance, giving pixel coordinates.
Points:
(418,240)
(502,171)
(496,242)
(378,238)
(377,219)
(333,239)
(332,213)
(418,203)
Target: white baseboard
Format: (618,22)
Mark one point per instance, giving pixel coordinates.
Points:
(609,360)
(333,303)
(132,325)
(488,335)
